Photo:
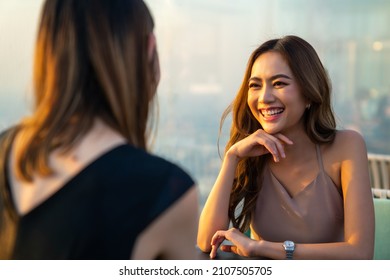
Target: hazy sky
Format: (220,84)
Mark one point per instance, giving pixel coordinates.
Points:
(18,24)
(204,44)
(185,29)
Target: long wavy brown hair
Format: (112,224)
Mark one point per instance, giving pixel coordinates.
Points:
(91,61)
(319,120)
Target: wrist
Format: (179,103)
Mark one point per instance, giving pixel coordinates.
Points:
(232,156)
(258,248)
(289,247)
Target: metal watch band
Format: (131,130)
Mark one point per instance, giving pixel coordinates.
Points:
(289,255)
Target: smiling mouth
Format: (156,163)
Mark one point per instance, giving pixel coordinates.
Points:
(271,112)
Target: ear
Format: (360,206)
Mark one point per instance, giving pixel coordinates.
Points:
(151,46)
(153,57)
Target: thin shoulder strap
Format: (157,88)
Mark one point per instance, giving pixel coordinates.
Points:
(319,157)
(8,215)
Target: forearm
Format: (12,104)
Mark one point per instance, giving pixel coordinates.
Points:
(214,215)
(318,251)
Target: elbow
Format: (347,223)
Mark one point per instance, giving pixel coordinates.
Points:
(365,256)
(204,237)
(363,251)
(367,253)
(203,245)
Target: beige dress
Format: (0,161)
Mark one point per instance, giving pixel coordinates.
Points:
(314,215)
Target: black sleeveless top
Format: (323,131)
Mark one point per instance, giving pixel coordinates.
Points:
(99,213)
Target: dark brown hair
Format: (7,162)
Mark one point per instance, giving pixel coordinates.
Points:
(319,120)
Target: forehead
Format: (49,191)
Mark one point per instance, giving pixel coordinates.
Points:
(270,64)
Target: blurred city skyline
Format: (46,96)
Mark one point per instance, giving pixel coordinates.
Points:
(204,46)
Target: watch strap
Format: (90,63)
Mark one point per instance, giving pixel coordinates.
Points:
(289,255)
(289,247)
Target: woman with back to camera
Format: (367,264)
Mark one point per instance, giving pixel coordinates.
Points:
(301,185)
(77,180)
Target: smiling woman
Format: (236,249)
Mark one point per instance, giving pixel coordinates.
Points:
(275,100)
(300,185)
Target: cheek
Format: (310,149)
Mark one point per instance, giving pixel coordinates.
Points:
(292,97)
(252,99)
(252,103)
(298,108)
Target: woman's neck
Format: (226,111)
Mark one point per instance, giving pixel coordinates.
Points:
(301,147)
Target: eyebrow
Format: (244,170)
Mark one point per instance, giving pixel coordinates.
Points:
(271,78)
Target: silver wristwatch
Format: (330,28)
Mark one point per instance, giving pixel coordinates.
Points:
(289,247)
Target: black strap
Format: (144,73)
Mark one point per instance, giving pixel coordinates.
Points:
(8,216)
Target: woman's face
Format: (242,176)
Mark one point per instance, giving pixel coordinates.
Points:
(274,96)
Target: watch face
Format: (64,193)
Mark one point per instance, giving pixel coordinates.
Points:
(289,245)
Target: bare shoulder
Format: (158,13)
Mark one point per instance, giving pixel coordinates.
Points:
(349,135)
(348,143)
(345,160)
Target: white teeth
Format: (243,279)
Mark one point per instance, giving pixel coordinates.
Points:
(271,112)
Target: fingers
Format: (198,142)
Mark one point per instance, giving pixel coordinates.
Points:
(233,235)
(274,146)
(281,140)
(218,238)
(230,249)
(227,248)
(216,241)
(273,143)
(284,138)
(260,143)
(213,252)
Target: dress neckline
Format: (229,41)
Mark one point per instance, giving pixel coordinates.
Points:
(298,193)
(321,172)
(320,175)
(67,184)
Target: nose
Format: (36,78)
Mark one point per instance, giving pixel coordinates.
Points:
(266,95)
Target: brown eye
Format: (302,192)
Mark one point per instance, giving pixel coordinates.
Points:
(279,84)
(254,85)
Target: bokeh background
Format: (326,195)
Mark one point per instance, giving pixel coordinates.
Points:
(204,46)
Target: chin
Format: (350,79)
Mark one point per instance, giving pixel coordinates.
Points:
(271,130)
